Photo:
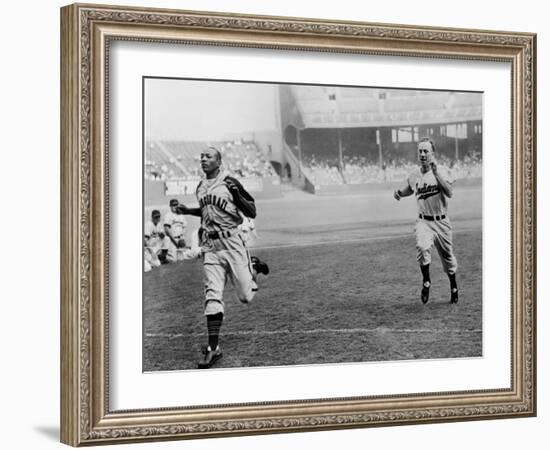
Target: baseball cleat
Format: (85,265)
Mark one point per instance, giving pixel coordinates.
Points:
(210,357)
(454,295)
(425,294)
(259,266)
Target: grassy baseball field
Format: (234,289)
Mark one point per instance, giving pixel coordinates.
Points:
(344,287)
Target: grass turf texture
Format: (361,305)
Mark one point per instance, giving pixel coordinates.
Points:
(351,301)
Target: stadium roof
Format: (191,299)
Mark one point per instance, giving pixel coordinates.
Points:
(335,107)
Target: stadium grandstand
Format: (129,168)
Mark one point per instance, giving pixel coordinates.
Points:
(332,136)
(339,135)
(175,164)
(168,160)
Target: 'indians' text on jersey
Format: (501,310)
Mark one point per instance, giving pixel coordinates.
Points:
(430,199)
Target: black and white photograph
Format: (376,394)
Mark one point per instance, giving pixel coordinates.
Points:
(296,224)
(278,222)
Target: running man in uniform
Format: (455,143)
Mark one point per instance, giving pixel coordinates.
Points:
(432,186)
(222,199)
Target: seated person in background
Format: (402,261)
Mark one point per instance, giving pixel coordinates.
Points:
(174,228)
(153,241)
(195,250)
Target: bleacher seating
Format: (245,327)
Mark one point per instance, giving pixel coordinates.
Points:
(181,159)
(357,170)
(158,165)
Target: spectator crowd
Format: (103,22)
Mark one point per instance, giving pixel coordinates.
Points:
(358,170)
(164,161)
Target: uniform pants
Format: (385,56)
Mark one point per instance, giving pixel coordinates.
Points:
(438,233)
(230,264)
(173,253)
(151,256)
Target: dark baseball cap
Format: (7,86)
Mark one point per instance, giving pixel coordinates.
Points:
(174,202)
(155,213)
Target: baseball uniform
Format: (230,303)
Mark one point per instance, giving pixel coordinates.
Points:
(146,265)
(433,226)
(248,229)
(225,254)
(192,252)
(154,243)
(222,203)
(177,224)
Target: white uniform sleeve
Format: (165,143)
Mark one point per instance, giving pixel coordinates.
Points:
(148,229)
(195,251)
(168,219)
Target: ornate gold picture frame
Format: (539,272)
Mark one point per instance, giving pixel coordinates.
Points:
(87,33)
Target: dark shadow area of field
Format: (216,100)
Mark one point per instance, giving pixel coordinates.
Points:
(326,303)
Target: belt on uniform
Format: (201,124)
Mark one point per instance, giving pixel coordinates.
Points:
(221,234)
(431,218)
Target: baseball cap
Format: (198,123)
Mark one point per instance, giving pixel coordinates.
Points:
(174,202)
(155,213)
